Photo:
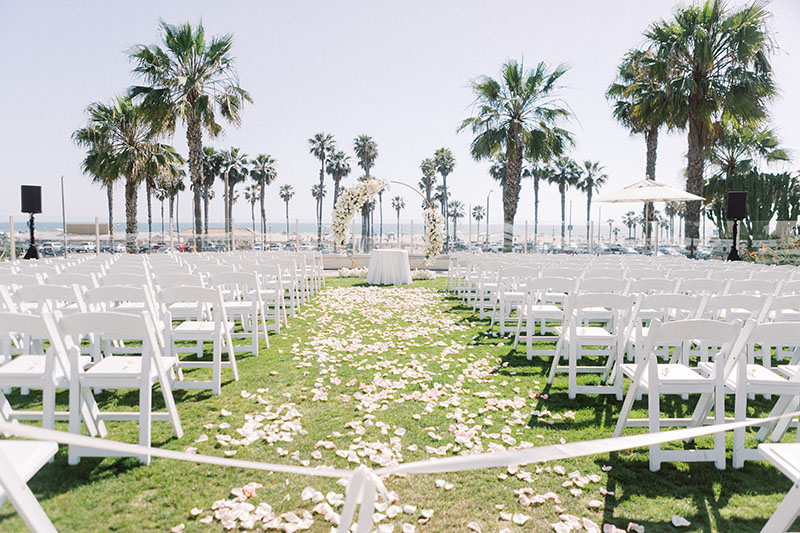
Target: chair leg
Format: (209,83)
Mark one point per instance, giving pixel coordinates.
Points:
(740,411)
(145,415)
(573,368)
(786,512)
(627,405)
(719,418)
(654,426)
(556,360)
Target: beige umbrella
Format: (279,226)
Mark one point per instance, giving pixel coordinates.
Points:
(648,191)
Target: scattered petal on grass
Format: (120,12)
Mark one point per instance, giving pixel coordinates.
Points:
(679,521)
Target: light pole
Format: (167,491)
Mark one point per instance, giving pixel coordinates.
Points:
(487,217)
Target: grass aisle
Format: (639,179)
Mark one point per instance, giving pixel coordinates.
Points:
(378,376)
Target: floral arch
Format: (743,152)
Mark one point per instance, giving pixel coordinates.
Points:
(352,198)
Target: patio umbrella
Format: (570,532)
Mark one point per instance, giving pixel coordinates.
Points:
(648,191)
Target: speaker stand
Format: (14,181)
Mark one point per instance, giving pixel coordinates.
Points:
(734,253)
(32,252)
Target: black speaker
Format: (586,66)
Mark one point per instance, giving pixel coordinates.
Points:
(31,199)
(737,209)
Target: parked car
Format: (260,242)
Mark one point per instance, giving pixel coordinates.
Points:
(274,246)
(51,248)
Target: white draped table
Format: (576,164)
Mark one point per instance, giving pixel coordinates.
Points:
(388,267)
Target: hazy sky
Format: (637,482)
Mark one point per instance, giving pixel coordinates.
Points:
(398,71)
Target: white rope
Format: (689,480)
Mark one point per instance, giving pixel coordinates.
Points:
(364,483)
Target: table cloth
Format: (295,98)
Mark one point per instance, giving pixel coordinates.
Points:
(388,267)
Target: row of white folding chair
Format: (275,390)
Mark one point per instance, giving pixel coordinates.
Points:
(63,367)
(732,372)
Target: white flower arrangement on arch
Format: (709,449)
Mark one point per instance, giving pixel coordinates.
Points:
(434,233)
(349,202)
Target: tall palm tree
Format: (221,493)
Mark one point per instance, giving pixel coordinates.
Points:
(286,193)
(640,100)
(592,178)
(610,226)
(428,181)
(538,171)
(366,150)
(670,210)
(251,194)
(445,162)
(173,189)
(212,167)
(456,212)
(263,172)
(629,220)
(338,167)
(128,148)
(520,109)
(716,61)
(234,170)
(190,80)
(98,164)
(321,146)
(318,192)
(398,204)
(478,213)
(567,174)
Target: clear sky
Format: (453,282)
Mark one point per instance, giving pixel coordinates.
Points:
(398,71)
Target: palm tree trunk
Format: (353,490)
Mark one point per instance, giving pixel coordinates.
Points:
(511,188)
(262,194)
(110,193)
(162,220)
(336,181)
(287,220)
(131,230)
(651,139)
(149,191)
(380,231)
(194,138)
(398,226)
(589,212)
(227,204)
(694,181)
(563,191)
(177,212)
(319,202)
(253,218)
(535,211)
(206,202)
(444,212)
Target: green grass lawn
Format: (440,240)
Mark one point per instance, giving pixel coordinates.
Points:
(383,375)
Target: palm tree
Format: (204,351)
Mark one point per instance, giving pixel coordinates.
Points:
(616,234)
(478,213)
(286,193)
(456,212)
(251,194)
(98,164)
(610,224)
(125,144)
(212,166)
(190,80)
(318,192)
(173,189)
(592,178)
(428,181)
(321,146)
(537,171)
(717,63)
(338,167)
(263,173)
(670,210)
(629,220)
(567,173)
(519,110)
(741,144)
(234,170)
(445,162)
(640,101)
(398,204)
(366,150)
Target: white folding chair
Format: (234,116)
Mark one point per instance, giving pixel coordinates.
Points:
(545,305)
(786,458)
(241,293)
(656,379)
(198,330)
(582,337)
(115,372)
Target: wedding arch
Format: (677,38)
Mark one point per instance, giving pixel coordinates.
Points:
(354,197)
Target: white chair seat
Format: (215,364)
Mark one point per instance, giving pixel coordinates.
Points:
(30,366)
(119,365)
(194,327)
(669,374)
(757,376)
(587,333)
(789,370)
